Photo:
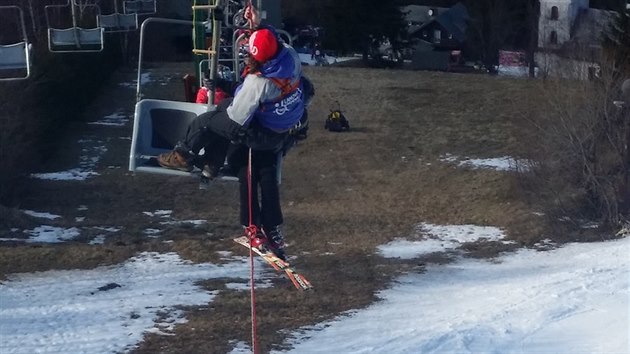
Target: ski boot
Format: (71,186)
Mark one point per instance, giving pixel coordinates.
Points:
(275,240)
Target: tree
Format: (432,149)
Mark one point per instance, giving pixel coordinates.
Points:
(617,51)
(617,39)
(350,25)
(494,24)
(354,25)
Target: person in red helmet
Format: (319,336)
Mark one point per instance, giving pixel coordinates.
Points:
(268,105)
(208,85)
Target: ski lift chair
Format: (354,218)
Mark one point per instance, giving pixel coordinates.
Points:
(159,124)
(74,39)
(15,57)
(140,7)
(118,22)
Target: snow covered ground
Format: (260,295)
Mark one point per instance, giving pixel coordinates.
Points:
(306,59)
(573,299)
(570,300)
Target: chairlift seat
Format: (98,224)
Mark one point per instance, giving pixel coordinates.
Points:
(14,56)
(75,39)
(118,22)
(158,126)
(140,7)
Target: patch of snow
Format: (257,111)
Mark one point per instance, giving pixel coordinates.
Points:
(437,238)
(43,215)
(107,309)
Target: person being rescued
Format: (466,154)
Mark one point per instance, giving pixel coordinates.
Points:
(220,92)
(265,108)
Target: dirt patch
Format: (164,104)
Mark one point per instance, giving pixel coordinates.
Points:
(343,195)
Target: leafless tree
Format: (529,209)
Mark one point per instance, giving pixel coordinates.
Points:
(578,150)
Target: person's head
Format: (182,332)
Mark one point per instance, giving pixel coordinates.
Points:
(263,45)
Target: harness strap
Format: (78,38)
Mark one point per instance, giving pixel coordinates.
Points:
(285,85)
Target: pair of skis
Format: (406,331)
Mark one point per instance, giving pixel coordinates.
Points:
(298,280)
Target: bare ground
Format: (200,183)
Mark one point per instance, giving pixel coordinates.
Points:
(343,195)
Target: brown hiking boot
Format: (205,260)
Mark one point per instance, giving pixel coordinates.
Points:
(174,160)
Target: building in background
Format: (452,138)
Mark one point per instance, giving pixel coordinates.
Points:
(570,36)
(438,34)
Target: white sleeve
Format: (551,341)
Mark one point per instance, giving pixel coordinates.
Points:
(247,99)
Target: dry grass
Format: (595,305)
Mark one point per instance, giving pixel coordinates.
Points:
(343,195)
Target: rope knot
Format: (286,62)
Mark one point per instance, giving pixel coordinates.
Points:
(251,231)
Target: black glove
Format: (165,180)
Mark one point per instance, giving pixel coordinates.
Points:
(209,84)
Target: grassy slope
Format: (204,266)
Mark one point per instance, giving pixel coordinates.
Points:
(343,195)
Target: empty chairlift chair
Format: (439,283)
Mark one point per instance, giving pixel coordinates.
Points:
(15,58)
(140,7)
(158,124)
(75,38)
(118,22)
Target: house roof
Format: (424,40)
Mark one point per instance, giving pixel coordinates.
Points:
(454,20)
(417,15)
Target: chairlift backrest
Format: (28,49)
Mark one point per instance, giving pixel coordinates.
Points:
(118,22)
(71,6)
(140,7)
(12,56)
(75,39)
(157,126)
(16,56)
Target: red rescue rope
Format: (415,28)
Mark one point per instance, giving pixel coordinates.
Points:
(251,232)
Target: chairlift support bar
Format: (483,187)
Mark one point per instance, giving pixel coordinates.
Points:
(17,55)
(143,27)
(204,51)
(205,7)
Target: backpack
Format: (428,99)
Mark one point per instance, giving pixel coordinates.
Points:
(336,121)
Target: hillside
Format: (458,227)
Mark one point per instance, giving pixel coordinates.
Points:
(343,195)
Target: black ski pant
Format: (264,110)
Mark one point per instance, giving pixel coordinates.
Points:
(265,202)
(213,131)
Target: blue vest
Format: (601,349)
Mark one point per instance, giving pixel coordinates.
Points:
(283,113)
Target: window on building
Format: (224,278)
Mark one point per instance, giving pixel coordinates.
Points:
(553,38)
(554,12)
(437,36)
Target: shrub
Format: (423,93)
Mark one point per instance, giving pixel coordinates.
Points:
(577,152)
